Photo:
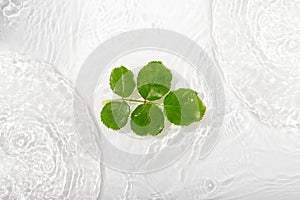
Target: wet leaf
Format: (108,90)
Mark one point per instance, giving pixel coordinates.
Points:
(183,107)
(147,119)
(122,81)
(115,114)
(154,81)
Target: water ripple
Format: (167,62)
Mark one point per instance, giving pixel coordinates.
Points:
(40,152)
(258,49)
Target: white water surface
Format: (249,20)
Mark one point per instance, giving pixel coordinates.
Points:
(256,47)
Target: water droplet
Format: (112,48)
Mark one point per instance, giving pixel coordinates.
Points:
(210,185)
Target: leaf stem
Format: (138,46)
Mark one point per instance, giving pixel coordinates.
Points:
(131,100)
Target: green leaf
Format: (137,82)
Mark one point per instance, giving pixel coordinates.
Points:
(154,81)
(121,81)
(183,107)
(147,119)
(115,114)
